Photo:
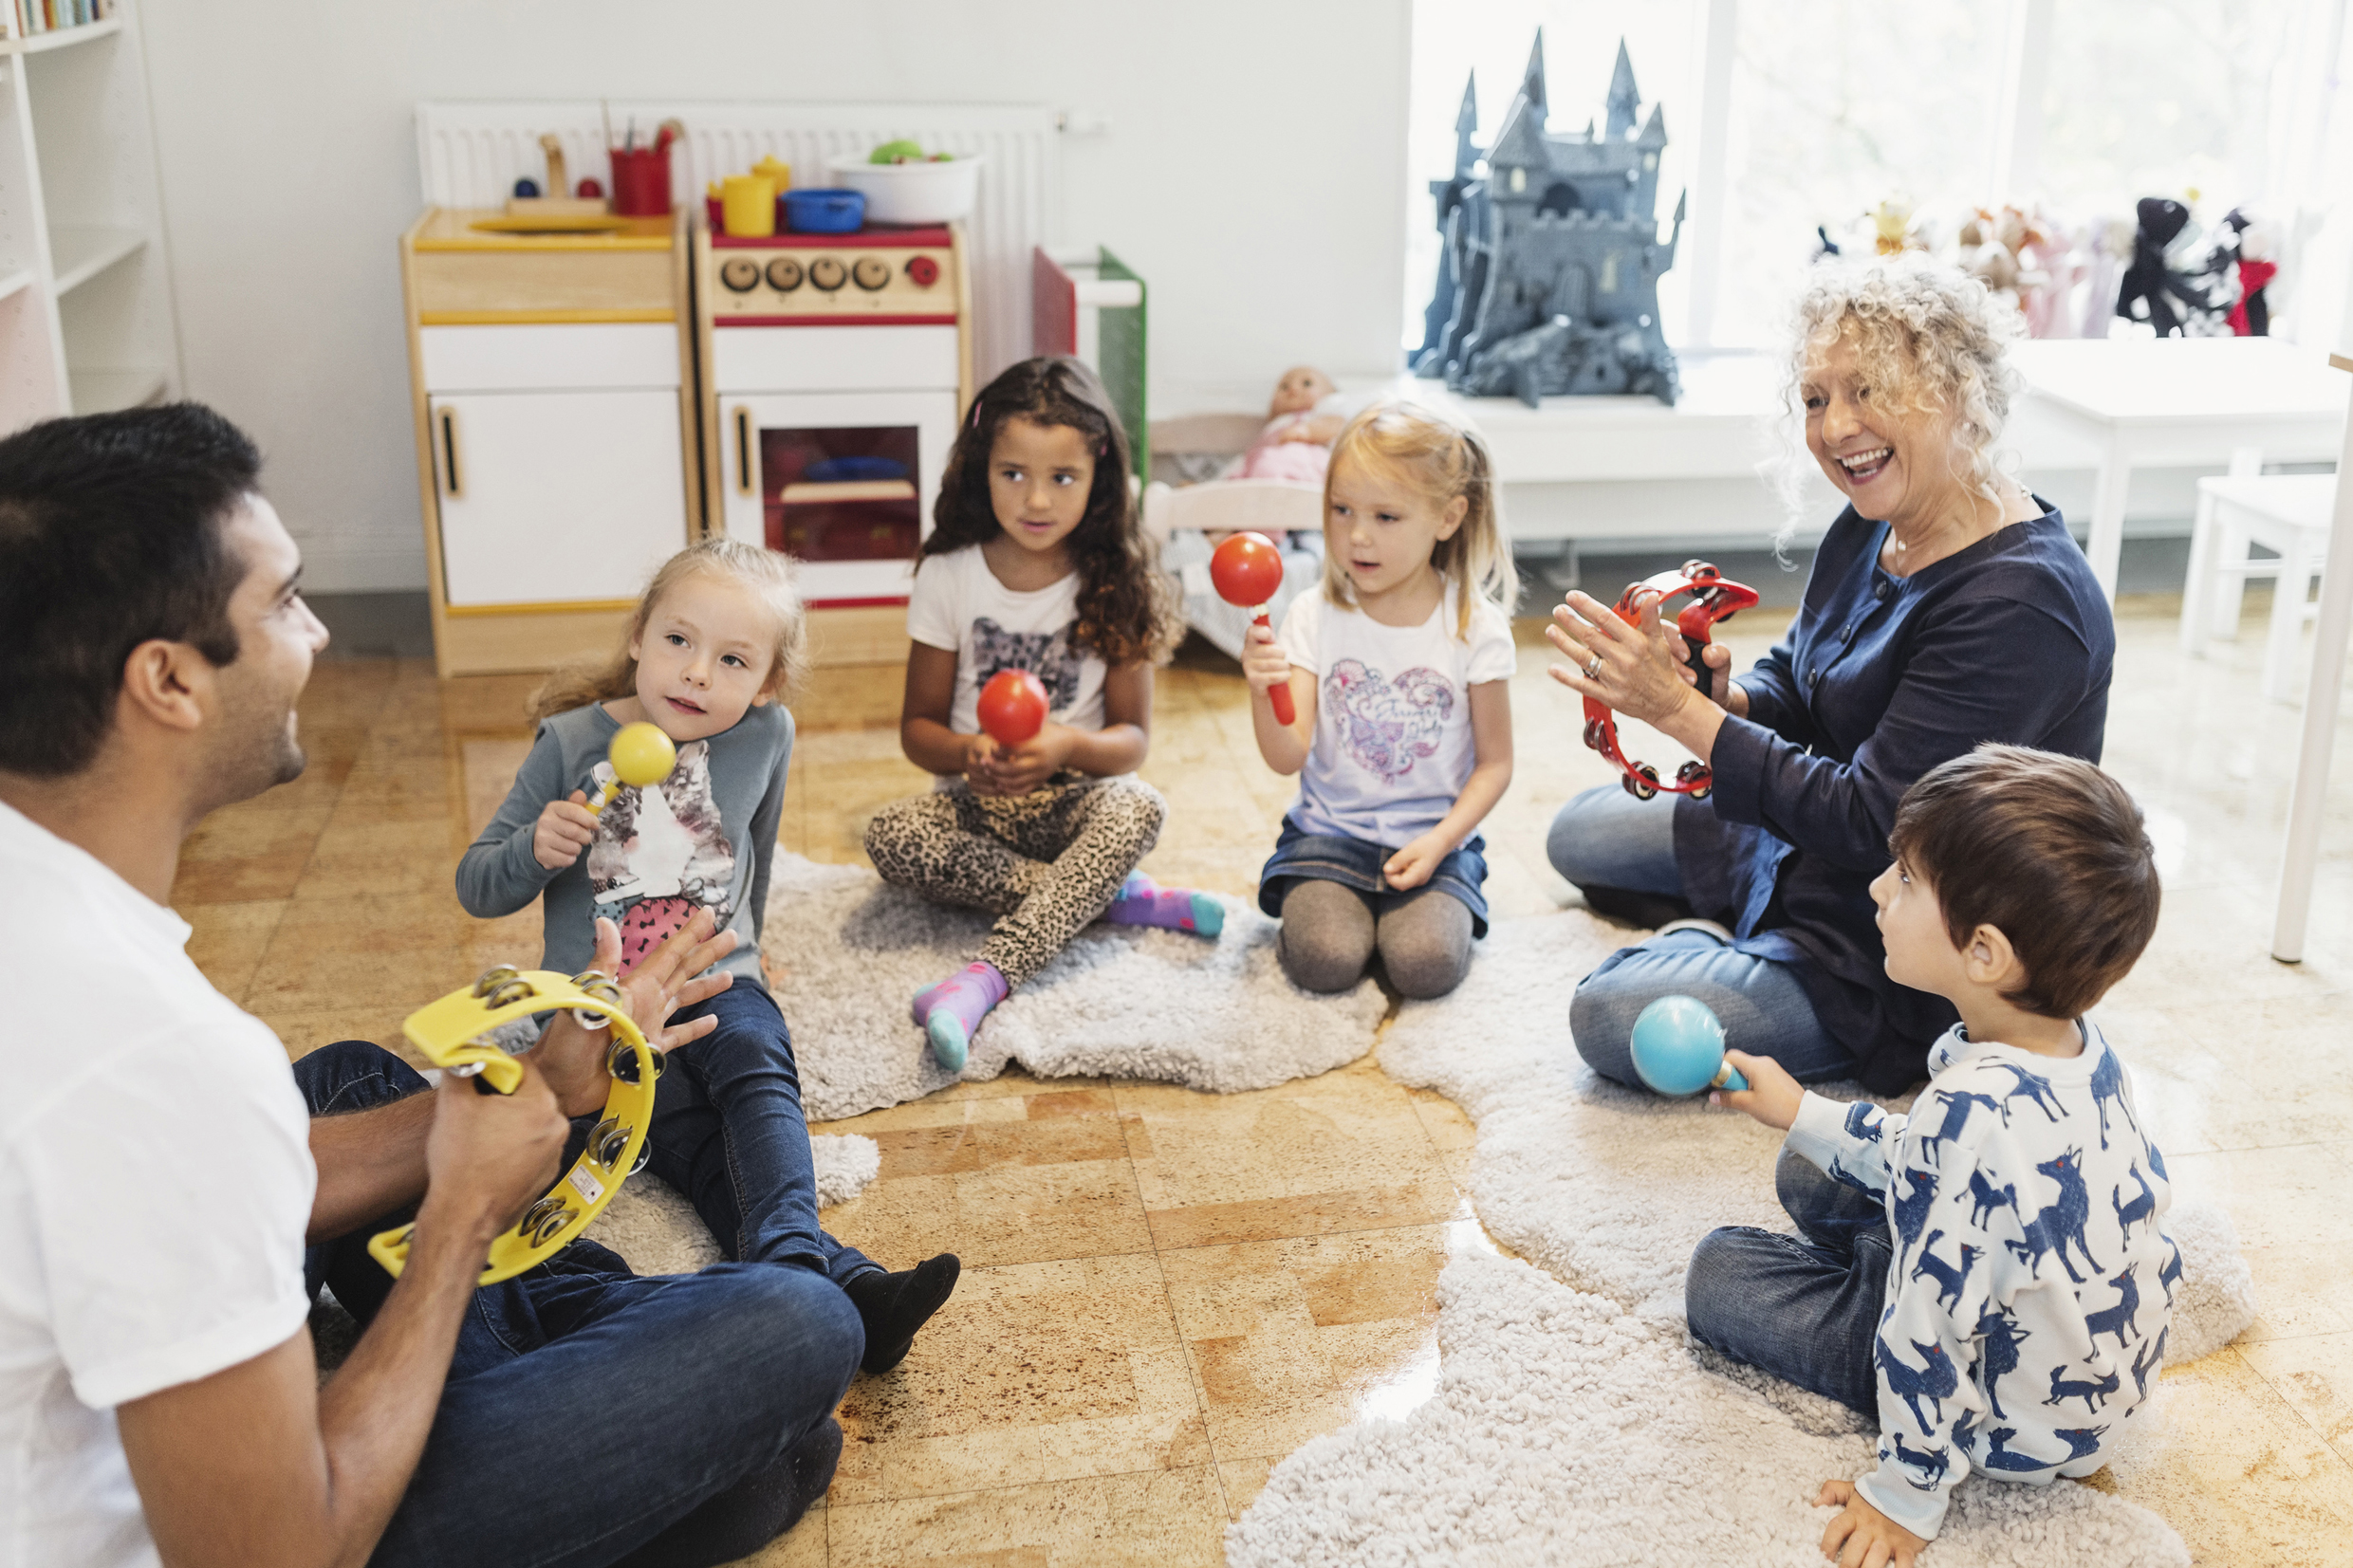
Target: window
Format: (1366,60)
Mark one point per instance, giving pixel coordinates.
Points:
(1832,107)
(2157,97)
(1824,124)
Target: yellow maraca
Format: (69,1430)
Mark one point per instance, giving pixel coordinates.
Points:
(641,755)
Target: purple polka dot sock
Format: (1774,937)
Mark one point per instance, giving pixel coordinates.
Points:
(1144,902)
(951,1011)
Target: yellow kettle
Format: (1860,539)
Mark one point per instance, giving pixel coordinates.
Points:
(774,168)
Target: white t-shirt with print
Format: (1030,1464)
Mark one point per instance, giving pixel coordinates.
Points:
(155,1186)
(1393,745)
(958,605)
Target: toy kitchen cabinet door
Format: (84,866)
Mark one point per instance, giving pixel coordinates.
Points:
(556,497)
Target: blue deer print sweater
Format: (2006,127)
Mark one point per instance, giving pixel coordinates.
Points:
(2028,1299)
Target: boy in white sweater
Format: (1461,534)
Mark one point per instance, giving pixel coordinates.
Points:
(1991,1274)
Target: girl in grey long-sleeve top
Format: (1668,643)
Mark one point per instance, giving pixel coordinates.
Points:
(715,640)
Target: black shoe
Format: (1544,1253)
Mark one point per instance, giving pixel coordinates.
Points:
(894,1306)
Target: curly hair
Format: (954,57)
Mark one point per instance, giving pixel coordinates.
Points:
(768,573)
(1443,460)
(1127,613)
(1926,337)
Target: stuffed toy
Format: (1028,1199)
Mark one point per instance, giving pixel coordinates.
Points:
(2057,254)
(2177,303)
(1891,228)
(2248,247)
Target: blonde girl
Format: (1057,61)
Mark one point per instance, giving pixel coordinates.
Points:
(716,643)
(1037,561)
(1398,670)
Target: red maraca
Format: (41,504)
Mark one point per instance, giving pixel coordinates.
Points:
(1013,707)
(1248,571)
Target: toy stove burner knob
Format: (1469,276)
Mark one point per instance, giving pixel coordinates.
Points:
(872,272)
(783,274)
(923,270)
(740,273)
(827,274)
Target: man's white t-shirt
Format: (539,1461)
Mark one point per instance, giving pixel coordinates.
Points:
(155,1187)
(958,605)
(1393,745)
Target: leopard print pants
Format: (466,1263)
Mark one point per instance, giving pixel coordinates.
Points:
(1044,863)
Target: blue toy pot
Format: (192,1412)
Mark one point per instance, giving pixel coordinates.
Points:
(825,212)
(1678,1048)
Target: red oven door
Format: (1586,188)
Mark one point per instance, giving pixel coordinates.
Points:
(842,482)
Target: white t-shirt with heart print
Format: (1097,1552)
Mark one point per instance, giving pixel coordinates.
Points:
(958,605)
(1393,745)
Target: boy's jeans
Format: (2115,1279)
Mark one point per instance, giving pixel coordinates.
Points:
(589,1412)
(1802,1307)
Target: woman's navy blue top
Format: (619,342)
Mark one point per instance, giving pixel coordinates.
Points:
(1879,679)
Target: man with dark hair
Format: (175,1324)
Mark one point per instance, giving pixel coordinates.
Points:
(160,1170)
(1988,1276)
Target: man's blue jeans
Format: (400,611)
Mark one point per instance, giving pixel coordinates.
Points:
(1607,838)
(1802,1307)
(590,1414)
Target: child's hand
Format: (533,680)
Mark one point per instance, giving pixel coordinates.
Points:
(1862,1536)
(564,829)
(1773,1096)
(1412,866)
(980,761)
(1034,761)
(1265,665)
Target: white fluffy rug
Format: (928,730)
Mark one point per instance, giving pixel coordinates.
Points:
(1566,1432)
(1574,1422)
(650,1223)
(844,955)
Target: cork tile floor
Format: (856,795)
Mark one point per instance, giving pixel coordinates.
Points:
(1166,1292)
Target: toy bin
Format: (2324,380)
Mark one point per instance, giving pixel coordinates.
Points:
(912,192)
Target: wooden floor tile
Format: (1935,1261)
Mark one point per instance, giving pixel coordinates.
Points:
(1166,1291)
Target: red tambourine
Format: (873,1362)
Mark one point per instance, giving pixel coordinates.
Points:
(1715,598)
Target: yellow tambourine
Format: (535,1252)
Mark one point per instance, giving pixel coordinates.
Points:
(450,1032)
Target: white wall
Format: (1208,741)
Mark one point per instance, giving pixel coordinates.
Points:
(1251,170)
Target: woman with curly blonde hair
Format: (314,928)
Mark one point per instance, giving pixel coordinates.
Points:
(1947,608)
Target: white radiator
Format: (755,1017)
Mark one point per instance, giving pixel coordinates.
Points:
(469,155)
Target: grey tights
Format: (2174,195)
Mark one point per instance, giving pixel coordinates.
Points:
(1330,932)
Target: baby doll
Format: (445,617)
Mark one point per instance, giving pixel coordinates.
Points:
(1302,421)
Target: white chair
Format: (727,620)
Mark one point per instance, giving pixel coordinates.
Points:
(2287,513)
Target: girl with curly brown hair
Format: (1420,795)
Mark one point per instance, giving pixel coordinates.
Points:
(1036,562)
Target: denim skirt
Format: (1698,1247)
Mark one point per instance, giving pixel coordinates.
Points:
(1301,857)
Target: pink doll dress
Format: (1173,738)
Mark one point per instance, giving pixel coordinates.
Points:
(1271,458)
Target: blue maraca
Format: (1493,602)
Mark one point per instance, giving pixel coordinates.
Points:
(1678,1048)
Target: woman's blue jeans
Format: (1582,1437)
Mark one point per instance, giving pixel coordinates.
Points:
(592,1417)
(1802,1307)
(1605,837)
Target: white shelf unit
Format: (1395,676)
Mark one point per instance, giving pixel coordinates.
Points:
(85,291)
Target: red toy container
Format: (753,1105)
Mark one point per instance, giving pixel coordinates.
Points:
(641,182)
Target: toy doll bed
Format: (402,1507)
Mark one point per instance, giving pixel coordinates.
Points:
(1181,515)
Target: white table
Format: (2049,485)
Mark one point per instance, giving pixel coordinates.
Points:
(2319,716)
(2177,401)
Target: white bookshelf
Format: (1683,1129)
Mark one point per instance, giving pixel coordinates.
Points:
(86,289)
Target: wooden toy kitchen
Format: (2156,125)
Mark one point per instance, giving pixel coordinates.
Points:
(595,389)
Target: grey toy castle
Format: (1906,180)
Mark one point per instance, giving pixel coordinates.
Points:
(1550,281)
